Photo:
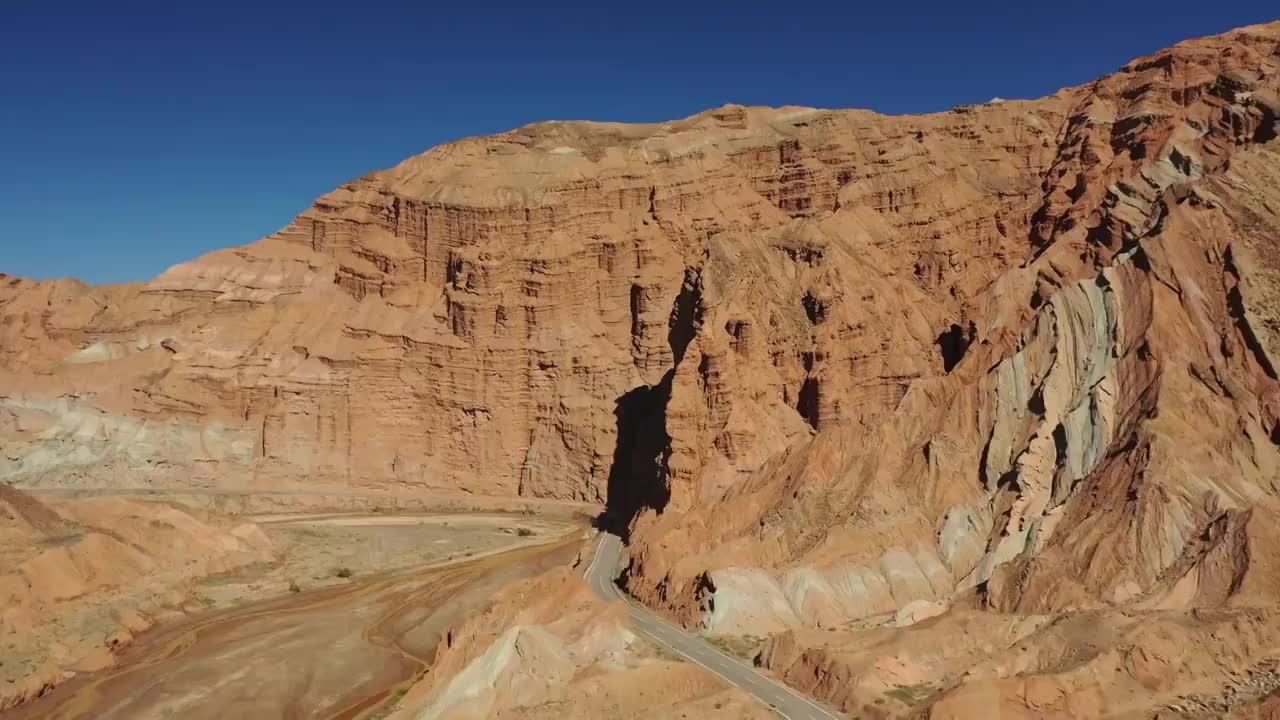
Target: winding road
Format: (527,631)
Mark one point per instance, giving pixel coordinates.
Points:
(784,701)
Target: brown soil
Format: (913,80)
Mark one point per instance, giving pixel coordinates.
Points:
(322,550)
(335,652)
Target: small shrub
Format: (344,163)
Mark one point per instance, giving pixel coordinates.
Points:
(293,586)
(747,647)
(910,694)
(524,532)
(343,572)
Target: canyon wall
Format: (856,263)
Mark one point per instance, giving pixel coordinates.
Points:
(818,364)
(507,314)
(1073,400)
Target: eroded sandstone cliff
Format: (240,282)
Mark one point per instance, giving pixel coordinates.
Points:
(821,365)
(1096,419)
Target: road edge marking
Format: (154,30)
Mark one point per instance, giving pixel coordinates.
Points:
(712,670)
(768,678)
(631,603)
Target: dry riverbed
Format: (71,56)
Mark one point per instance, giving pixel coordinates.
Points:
(326,550)
(316,616)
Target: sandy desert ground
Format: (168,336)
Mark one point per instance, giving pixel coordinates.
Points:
(121,607)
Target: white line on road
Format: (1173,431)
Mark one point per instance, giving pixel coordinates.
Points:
(592,565)
(641,614)
(780,686)
(690,658)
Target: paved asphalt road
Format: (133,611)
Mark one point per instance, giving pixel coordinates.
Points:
(788,703)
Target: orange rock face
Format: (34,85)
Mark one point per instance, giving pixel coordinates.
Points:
(1040,372)
(823,365)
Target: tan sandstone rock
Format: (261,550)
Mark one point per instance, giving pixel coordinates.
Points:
(822,365)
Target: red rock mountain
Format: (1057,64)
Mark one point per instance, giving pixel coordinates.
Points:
(823,364)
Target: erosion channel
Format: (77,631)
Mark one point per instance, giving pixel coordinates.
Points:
(329,647)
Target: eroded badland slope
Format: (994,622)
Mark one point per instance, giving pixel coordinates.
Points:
(830,369)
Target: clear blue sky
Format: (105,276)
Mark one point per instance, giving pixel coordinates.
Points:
(135,135)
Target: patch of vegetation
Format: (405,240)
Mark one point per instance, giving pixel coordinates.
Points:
(62,539)
(389,706)
(747,647)
(665,653)
(242,575)
(343,572)
(910,694)
(293,586)
(524,532)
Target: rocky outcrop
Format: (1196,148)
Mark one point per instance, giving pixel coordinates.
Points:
(547,644)
(1109,405)
(822,366)
(1092,664)
(517,314)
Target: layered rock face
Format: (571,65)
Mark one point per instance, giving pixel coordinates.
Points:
(822,365)
(530,313)
(1058,394)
